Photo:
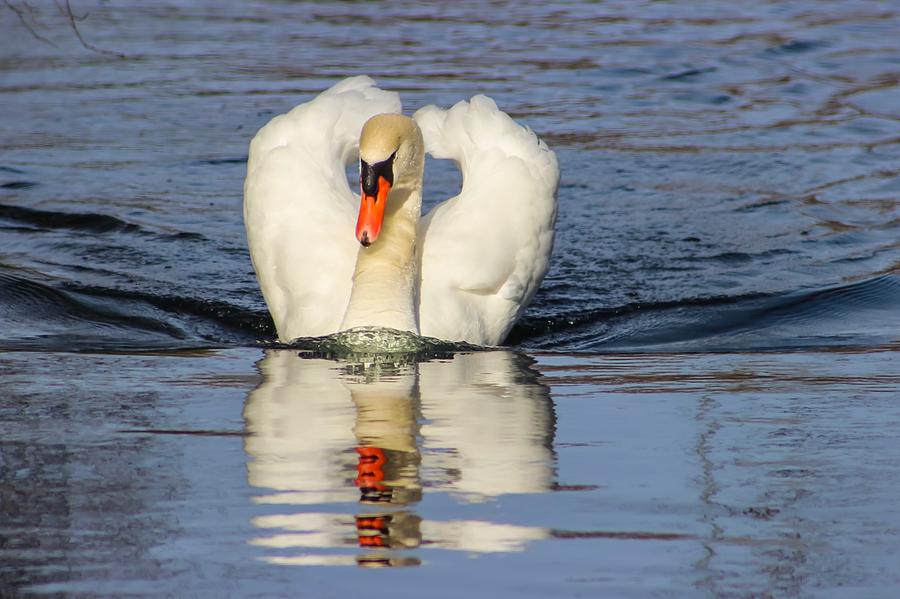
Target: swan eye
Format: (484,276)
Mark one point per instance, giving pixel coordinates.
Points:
(369,174)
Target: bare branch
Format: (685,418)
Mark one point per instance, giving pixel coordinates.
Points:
(21,14)
(84,43)
(67,11)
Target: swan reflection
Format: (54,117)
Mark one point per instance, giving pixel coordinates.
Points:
(352,447)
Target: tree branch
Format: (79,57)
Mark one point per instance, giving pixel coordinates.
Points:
(25,13)
(84,43)
(21,14)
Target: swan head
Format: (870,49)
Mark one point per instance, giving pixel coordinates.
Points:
(390,153)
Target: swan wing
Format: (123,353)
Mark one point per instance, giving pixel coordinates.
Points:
(483,254)
(299,211)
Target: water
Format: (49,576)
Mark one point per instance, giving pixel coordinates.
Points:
(486,474)
(701,401)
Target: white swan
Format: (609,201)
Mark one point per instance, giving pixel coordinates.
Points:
(464,272)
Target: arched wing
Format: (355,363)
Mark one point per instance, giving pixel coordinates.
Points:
(483,253)
(299,211)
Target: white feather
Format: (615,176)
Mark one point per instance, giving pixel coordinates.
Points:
(484,253)
(299,211)
(481,254)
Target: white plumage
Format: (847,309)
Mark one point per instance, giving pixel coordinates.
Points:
(478,258)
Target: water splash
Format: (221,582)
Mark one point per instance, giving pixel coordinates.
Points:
(380,344)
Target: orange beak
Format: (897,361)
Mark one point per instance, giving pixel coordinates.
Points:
(371,213)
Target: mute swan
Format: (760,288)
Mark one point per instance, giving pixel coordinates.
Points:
(464,272)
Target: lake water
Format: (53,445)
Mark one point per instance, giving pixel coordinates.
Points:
(703,399)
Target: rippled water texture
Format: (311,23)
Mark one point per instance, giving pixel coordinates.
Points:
(489,474)
(701,401)
(716,160)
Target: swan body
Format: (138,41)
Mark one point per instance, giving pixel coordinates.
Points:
(463,272)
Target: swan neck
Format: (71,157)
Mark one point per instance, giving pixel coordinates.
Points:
(384,280)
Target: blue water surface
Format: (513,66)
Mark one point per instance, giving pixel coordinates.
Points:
(701,400)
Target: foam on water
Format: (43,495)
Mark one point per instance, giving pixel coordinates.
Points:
(379,344)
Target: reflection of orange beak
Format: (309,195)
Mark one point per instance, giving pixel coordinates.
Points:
(371,213)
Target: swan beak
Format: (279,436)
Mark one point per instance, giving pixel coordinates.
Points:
(371,213)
